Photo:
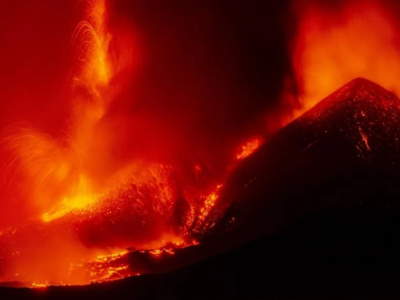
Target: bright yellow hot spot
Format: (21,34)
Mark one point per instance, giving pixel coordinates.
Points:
(81,199)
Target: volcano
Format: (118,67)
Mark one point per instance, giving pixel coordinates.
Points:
(343,154)
(319,197)
(324,186)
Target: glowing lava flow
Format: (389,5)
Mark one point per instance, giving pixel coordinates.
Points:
(249,148)
(83,224)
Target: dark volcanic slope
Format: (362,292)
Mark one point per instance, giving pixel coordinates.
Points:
(361,113)
(342,154)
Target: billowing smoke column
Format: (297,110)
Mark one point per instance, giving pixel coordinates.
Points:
(337,41)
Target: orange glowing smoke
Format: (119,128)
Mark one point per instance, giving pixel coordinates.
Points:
(337,44)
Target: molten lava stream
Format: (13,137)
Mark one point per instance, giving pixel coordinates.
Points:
(90,243)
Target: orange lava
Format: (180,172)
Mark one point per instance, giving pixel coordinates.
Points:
(248,148)
(337,44)
(209,203)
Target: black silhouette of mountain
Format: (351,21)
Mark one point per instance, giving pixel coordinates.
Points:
(342,154)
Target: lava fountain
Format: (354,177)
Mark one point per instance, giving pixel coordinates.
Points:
(84,213)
